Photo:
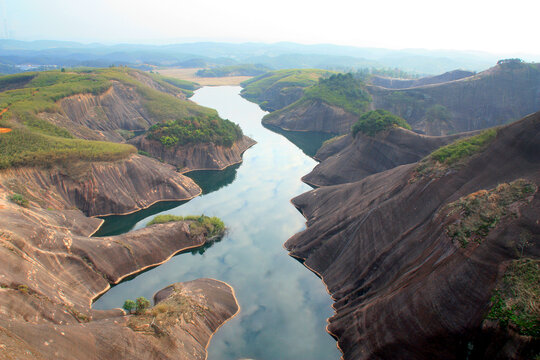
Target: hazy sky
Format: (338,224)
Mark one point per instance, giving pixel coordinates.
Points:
(495,26)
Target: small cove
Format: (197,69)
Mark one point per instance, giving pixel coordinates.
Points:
(284,305)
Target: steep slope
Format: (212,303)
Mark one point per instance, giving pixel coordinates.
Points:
(496,96)
(332,105)
(386,248)
(353,158)
(278,89)
(101,188)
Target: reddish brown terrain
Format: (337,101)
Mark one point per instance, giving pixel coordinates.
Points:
(404,288)
(205,156)
(52,269)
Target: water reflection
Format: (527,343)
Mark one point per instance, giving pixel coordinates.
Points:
(213,180)
(284,306)
(119,224)
(307,141)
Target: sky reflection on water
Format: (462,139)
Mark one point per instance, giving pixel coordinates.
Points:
(284,305)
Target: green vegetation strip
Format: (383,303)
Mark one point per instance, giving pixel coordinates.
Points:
(374,122)
(515,301)
(481,211)
(199,224)
(455,154)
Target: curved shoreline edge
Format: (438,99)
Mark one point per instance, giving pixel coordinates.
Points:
(233,293)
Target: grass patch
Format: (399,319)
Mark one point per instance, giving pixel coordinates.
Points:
(176,310)
(199,224)
(481,211)
(515,302)
(19,200)
(374,122)
(454,154)
(341,90)
(280,80)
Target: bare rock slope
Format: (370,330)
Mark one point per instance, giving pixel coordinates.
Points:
(52,269)
(351,159)
(312,115)
(403,289)
(204,156)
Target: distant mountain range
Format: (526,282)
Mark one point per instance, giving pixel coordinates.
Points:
(14,54)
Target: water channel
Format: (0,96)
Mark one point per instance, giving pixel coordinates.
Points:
(284,306)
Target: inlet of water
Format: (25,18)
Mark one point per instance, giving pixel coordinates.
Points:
(284,305)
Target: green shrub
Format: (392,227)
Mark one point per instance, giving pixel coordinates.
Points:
(19,200)
(201,129)
(373,122)
(129,306)
(514,301)
(141,304)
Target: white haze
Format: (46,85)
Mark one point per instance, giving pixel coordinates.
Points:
(508,27)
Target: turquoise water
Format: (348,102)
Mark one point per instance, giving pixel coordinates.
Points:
(284,306)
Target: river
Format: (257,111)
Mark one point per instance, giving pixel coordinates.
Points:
(284,306)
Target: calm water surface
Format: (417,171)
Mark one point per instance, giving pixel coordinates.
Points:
(284,305)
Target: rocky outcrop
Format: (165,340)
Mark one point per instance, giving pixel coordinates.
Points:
(502,94)
(391,83)
(312,115)
(203,156)
(101,188)
(402,288)
(51,269)
(351,159)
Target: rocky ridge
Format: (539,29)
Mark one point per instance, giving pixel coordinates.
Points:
(402,287)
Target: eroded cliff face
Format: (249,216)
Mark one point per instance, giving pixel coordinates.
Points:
(312,115)
(100,117)
(496,96)
(352,159)
(205,156)
(402,288)
(52,269)
(101,188)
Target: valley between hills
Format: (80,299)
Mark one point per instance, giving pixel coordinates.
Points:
(422,221)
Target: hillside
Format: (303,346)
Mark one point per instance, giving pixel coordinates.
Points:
(56,117)
(493,97)
(52,268)
(332,105)
(354,157)
(277,89)
(421,259)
